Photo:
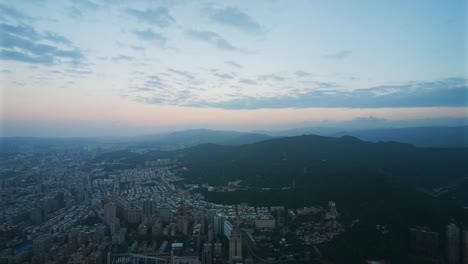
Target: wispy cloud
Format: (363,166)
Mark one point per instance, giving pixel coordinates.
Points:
(158,16)
(23,43)
(12,14)
(339,55)
(83,72)
(447,92)
(212,38)
(247,81)
(182,73)
(75,12)
(85,4)
(234,17)
(137,48)
(56,38)
(451,92)
(154,81)
(233,64)
(150,35)
(326,85)
(79,6)
(301,74)
(122,58)
(273,77)
(224,76)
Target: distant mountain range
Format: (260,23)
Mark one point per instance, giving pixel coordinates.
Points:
(418,136)
(189,138)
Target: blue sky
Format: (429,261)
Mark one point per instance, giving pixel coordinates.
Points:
(243,64)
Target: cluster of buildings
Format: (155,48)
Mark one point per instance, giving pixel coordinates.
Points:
(432,247)
(60,208)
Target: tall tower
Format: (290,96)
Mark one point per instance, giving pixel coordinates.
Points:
(453,244)
(235,246)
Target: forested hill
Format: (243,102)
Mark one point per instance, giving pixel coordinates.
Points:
(277,162)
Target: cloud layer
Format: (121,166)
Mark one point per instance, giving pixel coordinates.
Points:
(23,43)
(451,92)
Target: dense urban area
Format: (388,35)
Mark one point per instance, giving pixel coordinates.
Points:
(64,205)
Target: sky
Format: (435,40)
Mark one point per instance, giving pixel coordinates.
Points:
(101,67)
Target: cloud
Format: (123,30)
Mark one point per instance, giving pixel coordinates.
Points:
(23,43)
(450,92)
(159,16)
(86,4)
(273,77)
(301,74)
(247,81)
(150,35)
(83,72)
(212,38)
(326,84)
(137,48)
(56,38)
(233,64)
(10,13)
(339,55)
(234,17)
(75,12)
(153,82)
(181,73)
(446,92)
(79,6)
(122,58)
(224,75)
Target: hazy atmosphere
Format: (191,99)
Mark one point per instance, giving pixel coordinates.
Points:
(97,68)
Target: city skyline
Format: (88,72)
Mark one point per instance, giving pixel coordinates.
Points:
(92,68)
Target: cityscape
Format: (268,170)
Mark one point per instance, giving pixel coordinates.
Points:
(81,203)
(60,209)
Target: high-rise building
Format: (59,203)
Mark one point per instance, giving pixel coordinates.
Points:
(218,250)
(133,215)
(165,214)
(207,254)
(109,212)
(148,207)
(210,233)
(465,246)
(453,244)
(235,246)
(42,245)
(424,242)
(219,224)
(210,214)
(114,225)
(196,237)
(227,229)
